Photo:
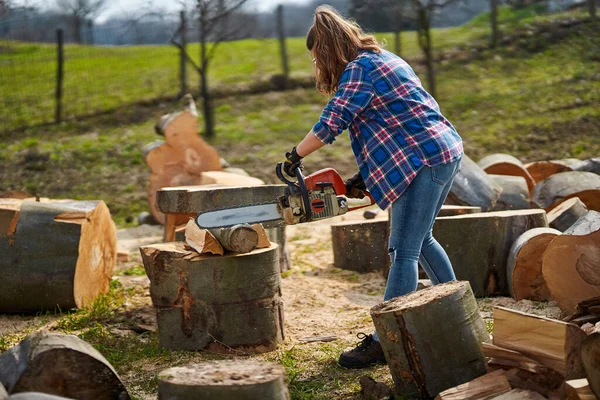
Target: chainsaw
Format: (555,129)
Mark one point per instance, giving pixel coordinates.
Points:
(318,196)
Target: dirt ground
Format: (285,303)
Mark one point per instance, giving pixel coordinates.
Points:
(319,299)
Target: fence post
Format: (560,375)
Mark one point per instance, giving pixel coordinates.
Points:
(59,74)
(281,36)
(183,56)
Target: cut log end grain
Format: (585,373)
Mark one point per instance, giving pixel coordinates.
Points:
(563,216)
(505,164)
(524,265)
(429,355)
(541,170)
(570,263)
(579,389)
(226,379)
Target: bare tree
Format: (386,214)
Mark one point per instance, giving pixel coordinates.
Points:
(80,11)
(494,22)
(216,25)
(592,9)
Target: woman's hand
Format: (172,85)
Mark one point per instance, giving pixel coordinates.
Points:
(292,162)
(355,187)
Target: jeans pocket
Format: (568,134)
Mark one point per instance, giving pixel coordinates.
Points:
(441,174)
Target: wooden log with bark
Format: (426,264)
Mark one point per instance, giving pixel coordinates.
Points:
(61,365)
(505,164)
(482,262)
(429,355)
(473,187)
(554,344)
(560,187)
(232,301)
(540,170)
(224,379)
(524,265)
(63,251)
(240,238)
(570,263)
(487,386)
(361,246)
(579,389)
(546,381)
(563,216)
(515,194)
(590,356)
(590,165)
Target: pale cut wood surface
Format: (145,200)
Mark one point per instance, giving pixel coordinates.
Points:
(485,387)
(520,394)
(579,389)
(202,240)
(570,263)
(263,239)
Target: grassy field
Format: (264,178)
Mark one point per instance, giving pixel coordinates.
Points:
(106,78)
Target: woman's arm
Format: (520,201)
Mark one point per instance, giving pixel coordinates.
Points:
(309,145)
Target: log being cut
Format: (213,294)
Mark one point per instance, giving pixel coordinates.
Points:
(63,251)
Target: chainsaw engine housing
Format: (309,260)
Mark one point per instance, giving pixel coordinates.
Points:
(324,203)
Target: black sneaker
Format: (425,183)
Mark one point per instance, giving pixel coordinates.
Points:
(366,353)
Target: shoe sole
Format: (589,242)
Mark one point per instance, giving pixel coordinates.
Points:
(361,365)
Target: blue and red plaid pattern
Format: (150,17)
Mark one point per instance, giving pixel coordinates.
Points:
(395,126)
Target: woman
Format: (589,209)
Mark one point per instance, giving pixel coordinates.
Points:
(407,152)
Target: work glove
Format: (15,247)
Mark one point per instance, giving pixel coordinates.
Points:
(355,187)
(292,162)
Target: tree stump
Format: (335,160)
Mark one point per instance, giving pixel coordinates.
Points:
(61,365)
(473,187)
(230,301)
(361,246)
(432,339)
(560,187)
(563,216)
(64,252)
(515,194)
(226,379)
(590,165)
(540,170)
(524,266)
(482,261)
(590,356)
(570,263)
(505,164)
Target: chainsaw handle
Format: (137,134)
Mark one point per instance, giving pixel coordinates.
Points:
(368,195)
(282,178)
(293,188)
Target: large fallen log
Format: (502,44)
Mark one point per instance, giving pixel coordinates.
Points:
(361,245)
(590,355)
(485,387)
(505,164)
(482,262)
(524,265)
(429,355)
(563,216)
(64,252)
(560,187)
(570,263)
(225,380)
(540,170)
(590,165)
(61,365)
(515,194)
(555,344)
(473,187)
(232,301)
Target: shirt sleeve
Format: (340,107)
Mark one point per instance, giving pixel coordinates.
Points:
(354,94)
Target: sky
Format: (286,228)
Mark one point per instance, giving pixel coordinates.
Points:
(116,7)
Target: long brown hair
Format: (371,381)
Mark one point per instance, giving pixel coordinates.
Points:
(336,41)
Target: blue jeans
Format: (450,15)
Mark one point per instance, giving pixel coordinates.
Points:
(411,240)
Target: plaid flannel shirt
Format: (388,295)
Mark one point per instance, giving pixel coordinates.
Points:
(395,126)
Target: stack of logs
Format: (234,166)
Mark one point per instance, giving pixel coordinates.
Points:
(220,289)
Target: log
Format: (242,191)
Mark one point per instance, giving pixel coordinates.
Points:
(590,165)
(540,170)
(202,240)
(590,356)
(63,251)
(263,238)
(473,187)
(448,210)
(485,387)
(238,238)
(579,389)
(520,394)
(560,187)
(225,379)
(570,263)
(361,246)
(555,344)
(563,216)
(515,194)
(547,383)
(505,164)
(60,365)
(182,158)
(429,355)
(500,353)
(482,262)
(233,301)
(524,265)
